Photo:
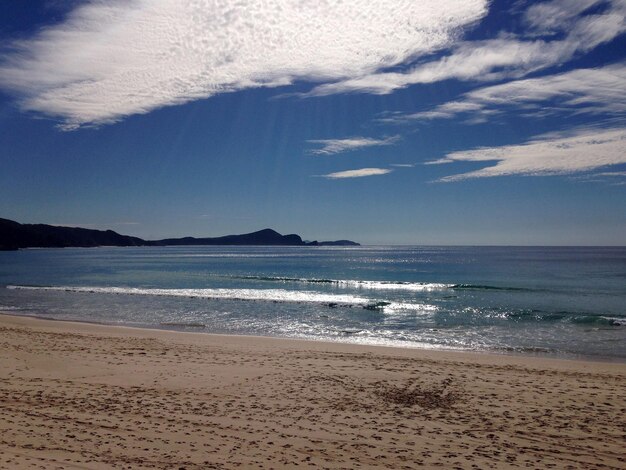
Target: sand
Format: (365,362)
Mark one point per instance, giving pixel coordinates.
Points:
(76,395)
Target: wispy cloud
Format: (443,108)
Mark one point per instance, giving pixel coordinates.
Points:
(610,178)
(583,91)
(333,146)
(360,173)
(109,60)
(554,154)
(618,174)
(557,31)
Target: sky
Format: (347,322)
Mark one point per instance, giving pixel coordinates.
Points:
(463,122)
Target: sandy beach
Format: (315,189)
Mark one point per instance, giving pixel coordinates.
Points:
(78,395)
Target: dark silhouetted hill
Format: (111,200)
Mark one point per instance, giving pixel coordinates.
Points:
(14,235)
(262,237)
(334,243)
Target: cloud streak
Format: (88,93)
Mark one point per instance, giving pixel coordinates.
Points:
(359,173)
(583,91)
(334,146)
(555,154)
(508,56)
(109,60)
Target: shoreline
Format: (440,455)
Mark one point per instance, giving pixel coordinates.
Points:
(541,355)
(82,395)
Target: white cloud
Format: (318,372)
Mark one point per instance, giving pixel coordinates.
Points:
(612,173)
(611,178)
(555,154)
(507,56)
(112,59)
(582,91)
(556,15)
(333,146)
(360,173)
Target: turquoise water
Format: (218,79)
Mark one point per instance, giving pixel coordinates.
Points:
(559,301)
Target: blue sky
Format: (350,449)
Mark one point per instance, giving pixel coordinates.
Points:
(400,122)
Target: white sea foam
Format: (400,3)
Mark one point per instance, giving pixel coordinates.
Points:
(276,295)
(268,295)
(404,306)
(358,284)
(8,308)
(383,285)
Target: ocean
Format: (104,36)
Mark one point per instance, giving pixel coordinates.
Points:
(555,301)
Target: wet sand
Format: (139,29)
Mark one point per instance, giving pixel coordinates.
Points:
(76,395)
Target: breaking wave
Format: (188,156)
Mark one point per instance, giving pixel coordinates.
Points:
(486,287)
(576,318)
(381,285)
(372,285)
(268,295)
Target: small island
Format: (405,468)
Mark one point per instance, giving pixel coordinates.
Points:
(14,236)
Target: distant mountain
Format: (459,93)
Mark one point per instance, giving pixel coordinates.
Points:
(334,243)
(262,237)
(14,235)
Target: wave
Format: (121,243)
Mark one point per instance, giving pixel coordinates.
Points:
(183,324)
(488,287)
(383,285)
(269,295)
(372,285)
(276,295)
(598,320)
(567,317)
(524,349)
(8,308)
